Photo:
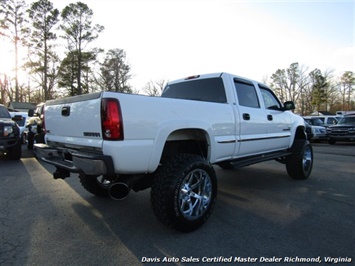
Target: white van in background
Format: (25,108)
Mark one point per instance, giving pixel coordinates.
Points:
(322,120)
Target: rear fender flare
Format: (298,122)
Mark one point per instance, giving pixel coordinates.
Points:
(174,131)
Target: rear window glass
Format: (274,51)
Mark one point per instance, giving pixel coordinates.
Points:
(208,90)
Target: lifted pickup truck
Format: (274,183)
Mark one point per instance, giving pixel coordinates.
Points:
(170,143)
(10,136)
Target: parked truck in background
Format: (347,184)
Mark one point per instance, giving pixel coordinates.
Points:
(10,135)
(344,130)
(117,142)
(35,125)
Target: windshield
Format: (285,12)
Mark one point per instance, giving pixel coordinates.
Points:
(314,121)
(347,121)
(4,113)
(21,123)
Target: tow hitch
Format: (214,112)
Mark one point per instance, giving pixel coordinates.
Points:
(61,173)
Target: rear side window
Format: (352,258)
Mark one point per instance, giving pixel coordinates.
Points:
(208,90)
(246,94)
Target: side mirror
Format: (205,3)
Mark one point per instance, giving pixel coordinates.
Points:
(31,112)
(289,105)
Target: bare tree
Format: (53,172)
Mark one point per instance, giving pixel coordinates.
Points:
(303,84)
(155,88)
(12,26)
(346,88)
(286,82)
(114,72)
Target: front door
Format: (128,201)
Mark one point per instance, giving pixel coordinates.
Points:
(279,121)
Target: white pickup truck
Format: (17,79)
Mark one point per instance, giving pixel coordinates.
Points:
(117,142)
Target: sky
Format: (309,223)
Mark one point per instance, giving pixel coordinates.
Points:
(168,39)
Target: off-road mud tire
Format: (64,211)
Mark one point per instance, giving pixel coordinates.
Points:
(15,152)
(184,192)
(92,184)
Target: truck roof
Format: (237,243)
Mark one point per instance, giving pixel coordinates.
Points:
(214,75)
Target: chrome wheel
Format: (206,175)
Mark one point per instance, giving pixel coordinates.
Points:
(307,159)
(300,162)
(184,192)
(195,194)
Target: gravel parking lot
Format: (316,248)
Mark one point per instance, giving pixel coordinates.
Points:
(261,216)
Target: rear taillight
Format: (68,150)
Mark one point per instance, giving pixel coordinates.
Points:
(112,125)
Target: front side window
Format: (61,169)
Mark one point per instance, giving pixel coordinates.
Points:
(270,100)
(246,94)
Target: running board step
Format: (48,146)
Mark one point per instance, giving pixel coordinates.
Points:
(241,162)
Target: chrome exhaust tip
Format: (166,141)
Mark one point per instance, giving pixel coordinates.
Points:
(119,191)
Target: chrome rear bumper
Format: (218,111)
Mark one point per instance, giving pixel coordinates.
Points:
(75,161)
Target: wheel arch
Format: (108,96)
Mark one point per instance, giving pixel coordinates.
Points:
(300,133)
(181,140)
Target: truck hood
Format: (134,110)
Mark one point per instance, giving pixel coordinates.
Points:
(341,127)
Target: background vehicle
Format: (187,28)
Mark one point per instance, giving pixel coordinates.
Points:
(329,120)
(317,133)
(342,113)
(325,121)
(343,131)
(21,121)
(121,141)
(308,131)
(35,125)
(313,121)
(10,137)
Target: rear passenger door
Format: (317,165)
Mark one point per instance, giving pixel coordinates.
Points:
(251,132)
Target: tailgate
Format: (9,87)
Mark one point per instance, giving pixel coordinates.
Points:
(74,120)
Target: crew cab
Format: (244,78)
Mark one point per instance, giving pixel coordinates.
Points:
(117,142)
(10,136)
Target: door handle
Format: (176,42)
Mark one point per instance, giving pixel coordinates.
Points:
(269,117)
(66,111)
(246,116)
